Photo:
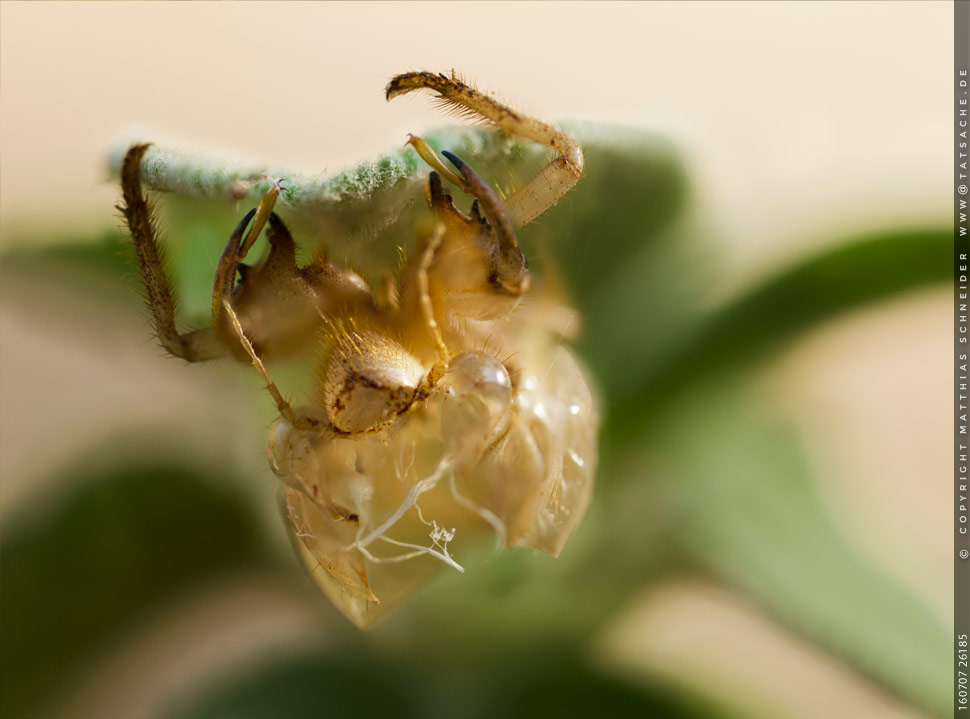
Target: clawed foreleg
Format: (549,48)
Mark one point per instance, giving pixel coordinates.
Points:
(551,183)
(193,346)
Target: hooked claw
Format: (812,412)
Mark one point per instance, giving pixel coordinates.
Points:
(509,265)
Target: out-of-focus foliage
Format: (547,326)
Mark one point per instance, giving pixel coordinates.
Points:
(698,476)
(300,687)
(122,541)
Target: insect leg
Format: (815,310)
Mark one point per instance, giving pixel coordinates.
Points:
(509,268)
(427,153)
(286,411)
(425,293)
(195,346)
(234,253)
(551,183)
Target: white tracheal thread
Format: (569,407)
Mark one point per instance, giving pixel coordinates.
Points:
(303,532)
(439,537)
(497,525)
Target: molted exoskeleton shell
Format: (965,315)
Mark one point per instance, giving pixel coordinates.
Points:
(376,515)
(420,431)
(537,477)
(370,379)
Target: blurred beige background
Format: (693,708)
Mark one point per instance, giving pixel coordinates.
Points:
(799,122)
(793,114)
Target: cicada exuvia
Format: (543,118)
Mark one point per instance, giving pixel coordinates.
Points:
(443,404)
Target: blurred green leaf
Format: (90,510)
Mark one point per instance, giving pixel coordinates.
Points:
(352,685)
(633,190)
(577,691)
(742,504)
(362,685)
(749,328)
(108,257)
(83,568)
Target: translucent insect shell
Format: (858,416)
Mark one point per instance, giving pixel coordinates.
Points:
(446,409)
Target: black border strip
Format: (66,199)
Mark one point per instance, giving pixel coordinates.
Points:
(961,405)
